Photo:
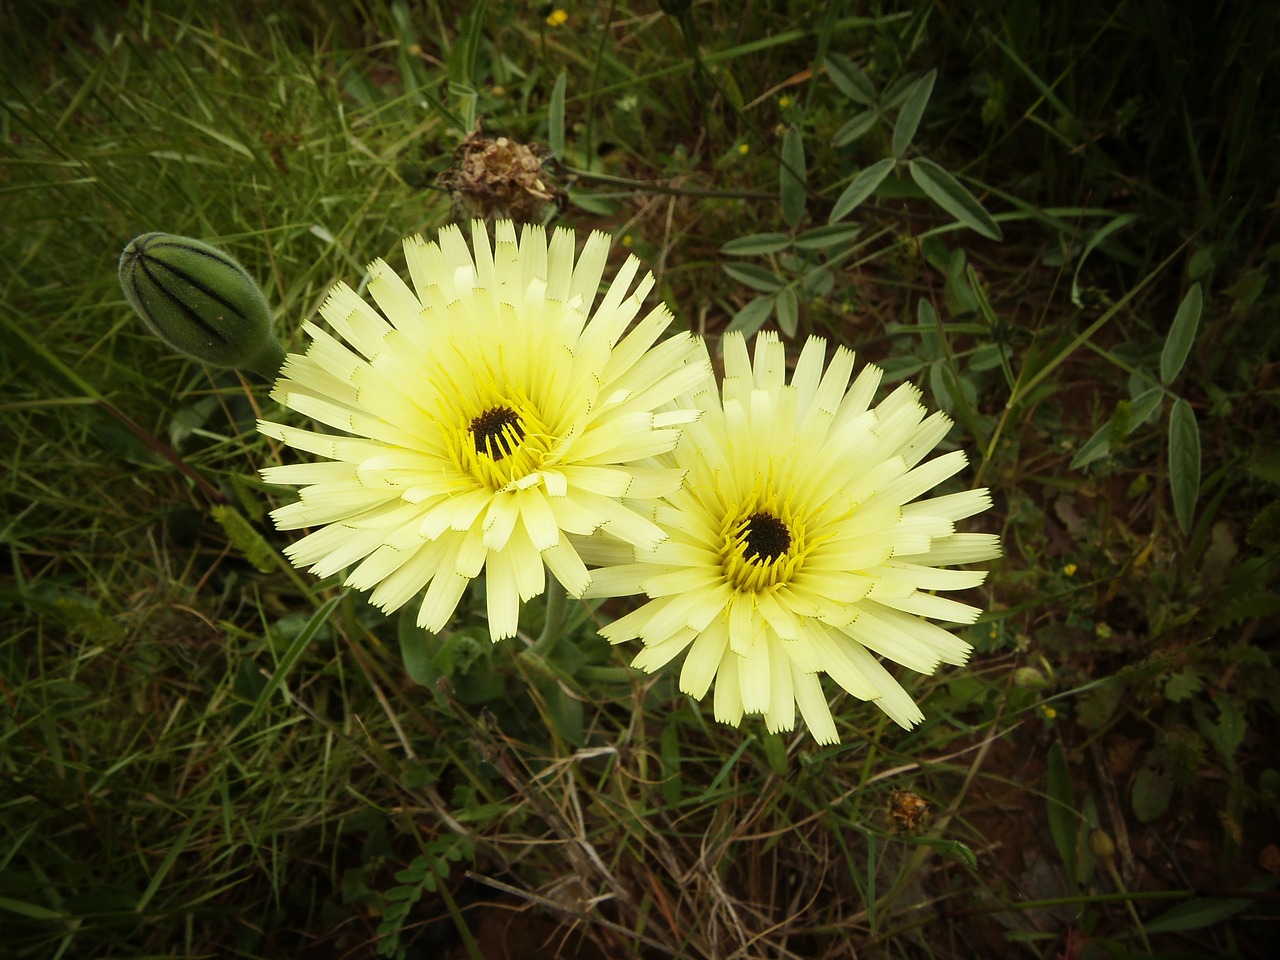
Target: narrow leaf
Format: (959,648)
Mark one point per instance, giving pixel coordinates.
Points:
(948,193)
(1181,335)
(828,235)
(849,80)
(1184,462)
(555,116)
(755,244)
(791,177)
(788,312)
(1198,913)
(1100,235)
(1145,405)
(857,126)
(1095,448)
(753,316)
(863,185)
(1064,823)
(904,131)
(757,278)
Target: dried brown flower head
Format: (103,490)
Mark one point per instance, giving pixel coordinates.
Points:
(498,178)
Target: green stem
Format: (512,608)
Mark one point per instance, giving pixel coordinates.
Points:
(553,625)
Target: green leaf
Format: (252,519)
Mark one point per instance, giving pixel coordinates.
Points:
(788,308)
(1184,462)
(857,126)
(849,80)
(1098,237)
(555,116)
(246,538)
(828,235)
(1230,729)
(757,278)
(418,648)
(1182,685)
(566,714)
(948,193)
(1197,913)
(753,316)
(791,177)
(904,130)
(755,244)
(863,185)
(1145,405)
(1181,335)
(1064,822)
(1095,448)
(1152,791)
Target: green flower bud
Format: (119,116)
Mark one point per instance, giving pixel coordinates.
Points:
(201,302)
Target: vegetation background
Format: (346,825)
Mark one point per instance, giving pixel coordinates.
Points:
(204,753)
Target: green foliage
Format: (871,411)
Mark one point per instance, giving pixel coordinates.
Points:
(209,753)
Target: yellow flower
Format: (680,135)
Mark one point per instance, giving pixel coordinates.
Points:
(744,148)
(557,17)
(796,546)
(487,412)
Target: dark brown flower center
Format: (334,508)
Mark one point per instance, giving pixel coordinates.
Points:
(767,537)
(497,432)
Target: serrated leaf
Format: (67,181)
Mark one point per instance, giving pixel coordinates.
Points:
(863,186)
(948,193)
(857,126)
(1064,823)
(791,177)
(849,80)
(788,308)
(828,235)
(1230,729)
(1152,791)
(1182,685)
(755,277)
(1184,462)
(756,244)
(1181,335)
(555,116)
(753,316)
(245,538)
(908,122)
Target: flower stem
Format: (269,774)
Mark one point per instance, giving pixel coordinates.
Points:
(553,624)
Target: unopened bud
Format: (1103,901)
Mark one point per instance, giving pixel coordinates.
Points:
(1103,847)
(201,302)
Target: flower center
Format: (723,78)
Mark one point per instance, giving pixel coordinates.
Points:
(500,437)
(763,543)
(767,538)
(497,432)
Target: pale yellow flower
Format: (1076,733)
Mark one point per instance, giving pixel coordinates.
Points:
(491,409)
(797,547)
